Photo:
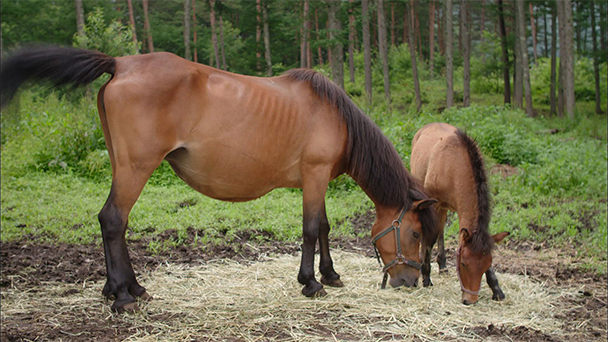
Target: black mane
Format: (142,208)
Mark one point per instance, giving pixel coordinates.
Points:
(372,160)
(481,240)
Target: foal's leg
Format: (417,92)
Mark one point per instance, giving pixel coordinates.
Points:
(314,186)
(497,293)
(329,276)
(121,284)
(425,269)
(442,215)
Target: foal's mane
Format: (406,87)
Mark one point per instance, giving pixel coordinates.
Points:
(372,160)
(481,240)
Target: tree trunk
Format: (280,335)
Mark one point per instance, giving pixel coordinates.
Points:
(258,34)
(392,23)
(533,32)
(525,66)
(337,52)
(216,54)
(318,37)
(505,53)
(448,54)
(131,19)
(147,28)
(405,25)
(603,24)
(194,33)
(440,32)
(518,92)
(328,46)
(417,30)
(187,54)
(431,36)
(553,57)
(307,34)
(466,53)
(383,51)
(79,17)
(546,49)
(596,69)
(413,57)
(303,42)
(367,55)
(351,42)
(564,10)
(266,40)
(222,41)
(482,19)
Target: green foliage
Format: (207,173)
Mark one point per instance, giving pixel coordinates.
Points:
(114,39)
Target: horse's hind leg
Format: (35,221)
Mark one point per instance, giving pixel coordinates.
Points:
(497,293)
(329,276)
(442,215)
(121,284)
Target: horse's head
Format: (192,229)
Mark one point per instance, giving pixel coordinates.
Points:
(397,237)
(472,263)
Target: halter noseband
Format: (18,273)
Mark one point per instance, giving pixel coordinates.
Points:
(474,293)
(400,258)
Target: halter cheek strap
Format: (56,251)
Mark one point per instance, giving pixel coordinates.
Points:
(400,259)
(465,290)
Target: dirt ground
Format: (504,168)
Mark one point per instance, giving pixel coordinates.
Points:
(31,266)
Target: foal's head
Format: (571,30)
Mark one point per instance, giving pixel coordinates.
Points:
(398,241)
(474,258)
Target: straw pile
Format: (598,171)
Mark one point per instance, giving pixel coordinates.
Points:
(224,300)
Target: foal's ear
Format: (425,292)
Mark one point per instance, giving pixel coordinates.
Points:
(498,237)
(423,204)
(466,235)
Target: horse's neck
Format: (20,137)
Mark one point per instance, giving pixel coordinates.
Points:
(468,210)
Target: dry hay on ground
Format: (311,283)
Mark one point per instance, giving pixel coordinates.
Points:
(227,301)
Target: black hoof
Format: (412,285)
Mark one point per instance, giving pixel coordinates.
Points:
(498,295)
(314,290)
(333,283)
(145,296)
(121,307)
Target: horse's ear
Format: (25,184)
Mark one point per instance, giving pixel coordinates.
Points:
(423,204)
(466,235)
(498,237)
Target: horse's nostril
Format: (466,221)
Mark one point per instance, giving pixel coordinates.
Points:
(466,302)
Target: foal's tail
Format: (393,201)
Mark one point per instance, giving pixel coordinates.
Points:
(59,65)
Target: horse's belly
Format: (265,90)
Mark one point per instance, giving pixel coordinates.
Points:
(225,175)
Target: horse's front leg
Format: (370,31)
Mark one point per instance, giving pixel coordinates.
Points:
(425,269)
(329,276)
(442,217)
(314,186)
(497,293)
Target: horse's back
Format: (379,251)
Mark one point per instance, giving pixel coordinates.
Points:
(229,136)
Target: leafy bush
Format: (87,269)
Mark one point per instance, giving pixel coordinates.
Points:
(114,39)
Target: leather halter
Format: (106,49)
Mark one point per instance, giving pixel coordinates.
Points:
(400,258)
(474,293)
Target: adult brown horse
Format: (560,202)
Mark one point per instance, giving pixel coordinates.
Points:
(451,167)
(235,138)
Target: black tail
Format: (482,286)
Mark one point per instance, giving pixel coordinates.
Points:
(59,65)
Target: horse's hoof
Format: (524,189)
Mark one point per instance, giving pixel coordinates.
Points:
(332,283)
(314,290)
(145,297)
(443,271)
(128,308)
(427,282)
(498,296)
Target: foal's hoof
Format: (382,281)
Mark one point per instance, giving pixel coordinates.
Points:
(145,297)
(498,295)
(332,283)
(443,271)
(314,290)
(128,308)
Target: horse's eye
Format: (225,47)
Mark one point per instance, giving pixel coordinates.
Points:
(463,265)
(416,235)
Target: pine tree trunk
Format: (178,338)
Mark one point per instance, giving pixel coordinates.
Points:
(392,23)
(449,43)
(440,32)
(307,36)
(337,52)
(384,51)
(303,42)
(187,53)
(405,25)
(553,58)
(482,19)
(431,37)
(603,24)
(222,41)
(533,32)
(258,35)
(596,69)
(351,42)
(525,66)
(413,57)
(318,37)
(518,91)
(147,28)
(328,46)
(131,19)
(266,39)
(546,49)
(367,51)
(216,54)
(505,53)
(194,33)
(564,10)
(79,17)
(466,53)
